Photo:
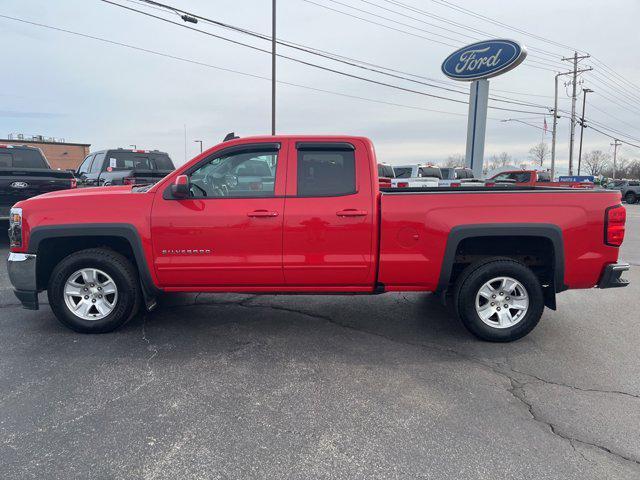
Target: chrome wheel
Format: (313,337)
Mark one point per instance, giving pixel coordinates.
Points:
(502,302)
(90,294)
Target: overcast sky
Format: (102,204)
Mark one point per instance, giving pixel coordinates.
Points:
(62,85)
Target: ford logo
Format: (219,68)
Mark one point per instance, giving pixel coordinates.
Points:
(484,59)
(19,185)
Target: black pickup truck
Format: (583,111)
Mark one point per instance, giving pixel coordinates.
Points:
(123,167)
(25,173)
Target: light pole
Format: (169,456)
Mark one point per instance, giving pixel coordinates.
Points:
(200,142)
(584,103)
(273,67)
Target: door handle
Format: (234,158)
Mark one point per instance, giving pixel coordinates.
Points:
(262,213)
(351,212)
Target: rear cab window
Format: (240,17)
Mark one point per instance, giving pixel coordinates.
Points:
(326,170)
(22,158)
(430,172)
(403,172)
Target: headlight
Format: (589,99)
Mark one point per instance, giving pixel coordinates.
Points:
(15,227)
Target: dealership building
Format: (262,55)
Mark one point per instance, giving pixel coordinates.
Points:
(59,153)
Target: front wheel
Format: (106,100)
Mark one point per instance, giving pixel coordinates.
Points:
(630,198)
(94,290)
(499,299)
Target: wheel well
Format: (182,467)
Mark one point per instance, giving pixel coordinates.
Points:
(536,252)
(61,247)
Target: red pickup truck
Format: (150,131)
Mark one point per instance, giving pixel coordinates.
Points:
(280,214)
(534,178)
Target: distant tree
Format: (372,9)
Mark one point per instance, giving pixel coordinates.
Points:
(455,160)
(596,162)
(539,153)
(497,161)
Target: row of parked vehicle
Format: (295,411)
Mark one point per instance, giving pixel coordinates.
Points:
(422,176)
(25,172)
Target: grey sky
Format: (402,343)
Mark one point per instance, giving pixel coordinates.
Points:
(87,91)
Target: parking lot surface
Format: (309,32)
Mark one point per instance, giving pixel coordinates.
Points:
(389,386)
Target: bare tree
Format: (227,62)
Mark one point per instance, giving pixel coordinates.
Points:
(455,160)
(596,162)
(498,161)
(539,153)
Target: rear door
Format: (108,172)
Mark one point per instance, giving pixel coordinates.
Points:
(329,216)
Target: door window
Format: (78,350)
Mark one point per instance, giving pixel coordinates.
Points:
(326,173)
(85,166)
(239,174)
(96,166)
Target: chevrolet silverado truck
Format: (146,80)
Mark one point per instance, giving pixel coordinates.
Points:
(25,173)
(318,223)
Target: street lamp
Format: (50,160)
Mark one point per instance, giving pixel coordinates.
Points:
(200,142)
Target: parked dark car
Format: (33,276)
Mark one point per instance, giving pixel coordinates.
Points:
(25,173)
(630,189)
(123,167)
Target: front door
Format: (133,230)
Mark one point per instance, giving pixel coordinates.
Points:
(229,232)
(329,216)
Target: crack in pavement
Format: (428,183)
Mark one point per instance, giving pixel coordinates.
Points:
(516,387)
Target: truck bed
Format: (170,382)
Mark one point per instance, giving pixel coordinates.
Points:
(419,227)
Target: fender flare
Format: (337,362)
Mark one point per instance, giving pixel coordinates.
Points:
(121,230)
(462,232)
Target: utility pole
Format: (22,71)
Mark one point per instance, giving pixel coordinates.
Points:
(273,67)
(200,142)
(616,143)
(574,84)
(582,125)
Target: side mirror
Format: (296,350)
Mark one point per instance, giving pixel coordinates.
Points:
(180,188)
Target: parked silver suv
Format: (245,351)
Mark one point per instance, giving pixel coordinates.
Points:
(630,189)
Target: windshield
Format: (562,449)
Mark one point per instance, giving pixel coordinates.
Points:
(402,172)
(448,173)
(385,171)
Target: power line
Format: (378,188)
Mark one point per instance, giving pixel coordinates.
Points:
(339,72)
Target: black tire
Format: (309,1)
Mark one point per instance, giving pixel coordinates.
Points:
(630,198)
(122,272)
(475,276)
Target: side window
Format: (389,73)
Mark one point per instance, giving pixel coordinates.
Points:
(96,166)
(634,184)
(544,177)
(84,167)
(326,173)
(239,174)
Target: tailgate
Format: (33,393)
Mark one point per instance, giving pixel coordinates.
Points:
(149,176)
(20,184)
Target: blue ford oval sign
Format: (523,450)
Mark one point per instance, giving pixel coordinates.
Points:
(484,59)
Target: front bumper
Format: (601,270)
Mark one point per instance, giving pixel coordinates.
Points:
(611,276)
(22,273)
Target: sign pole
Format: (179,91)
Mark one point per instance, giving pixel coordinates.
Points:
(477,125)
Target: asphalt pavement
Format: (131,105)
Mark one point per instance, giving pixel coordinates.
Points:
(389,386)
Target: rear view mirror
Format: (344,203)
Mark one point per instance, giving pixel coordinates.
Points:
(180,187)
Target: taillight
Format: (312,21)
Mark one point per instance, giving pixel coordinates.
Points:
(614,220)
(490,184)
(455,184)
(74,183)
(403,184)
(129,181)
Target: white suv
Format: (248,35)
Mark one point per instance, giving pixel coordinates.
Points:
(416,176)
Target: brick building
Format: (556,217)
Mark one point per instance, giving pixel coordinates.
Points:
(60,154)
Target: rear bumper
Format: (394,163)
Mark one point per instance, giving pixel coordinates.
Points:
(611,276)
(22,273)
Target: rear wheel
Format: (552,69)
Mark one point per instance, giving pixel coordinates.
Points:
(630,198)
(499,299)
(94,291)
